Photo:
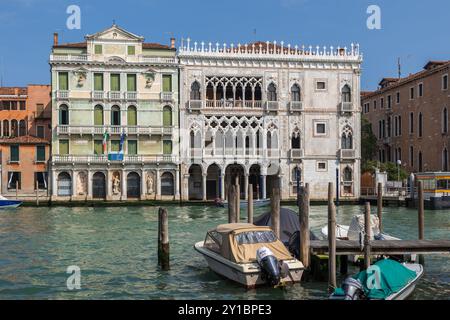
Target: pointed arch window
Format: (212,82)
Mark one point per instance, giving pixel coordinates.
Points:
(271,92)
(420,124)
(22,128)
(445,120)
(346,94)
(348,174)
(347,139)
(295,93)
(14,128)
(195,91)
(445,160)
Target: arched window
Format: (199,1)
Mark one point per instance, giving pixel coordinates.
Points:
(347,141)
(5,128)
(420,124)
(115,116)
(271,92)
(445,160)
(167,184)
(22,128)
(445,120)
(64,184)
(420,162)
(98,115)
(346,94)
(132,116)
(195,91)
(14,128)
(348,176)
(167,116)
(411,156)
(63,115)
(258,93)
(295,142)
(295,93)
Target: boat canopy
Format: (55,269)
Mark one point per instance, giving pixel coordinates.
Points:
(238,242)
(357,227)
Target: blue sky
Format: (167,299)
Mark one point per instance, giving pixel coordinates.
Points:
(416,31)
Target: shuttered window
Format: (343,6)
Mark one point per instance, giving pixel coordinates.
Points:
(131,50)
(167,116)
(132,147)
(14,153)
(115,82)
(98,81)
(63,146)
(98,115)
(115,145)
(131,82)
(132,116)
(63,81)
(167,83)
(98,147)
(167,147)
(40,153)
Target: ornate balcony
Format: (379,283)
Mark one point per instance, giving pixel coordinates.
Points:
(101,58)
(346,107)
(62,94)
(98,95)
(113,130)
(347,154)
(114,95)
(272,105)
(295,154)
(103,159)
(195,105)
(131,96)
(295,106)
(166,96)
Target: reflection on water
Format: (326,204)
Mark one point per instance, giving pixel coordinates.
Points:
(116,251)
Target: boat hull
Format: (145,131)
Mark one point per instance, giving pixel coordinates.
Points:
(5,204)
(248,275)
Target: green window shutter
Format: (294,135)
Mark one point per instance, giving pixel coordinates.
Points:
(167,147)
(167,83)
(63,81)
(132,147)
(63,146)
(98,116)
(132,116)
(115,145)
(98,49)
(98,147)
(131,82)
(98,81)
(131,50)
(115,82)
(40,153)
(14,150)
(167,117)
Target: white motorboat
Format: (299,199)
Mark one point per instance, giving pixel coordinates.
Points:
(6,203)
(250,255)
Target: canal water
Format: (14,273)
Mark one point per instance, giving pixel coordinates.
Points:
(115,248)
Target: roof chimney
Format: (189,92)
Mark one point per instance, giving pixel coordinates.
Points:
(55,39)
(172,43)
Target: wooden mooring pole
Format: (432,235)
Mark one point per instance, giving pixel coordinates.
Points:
(380,205)
(37,194)
(238,200)
(331,240)
(421,213)
(17,190)
(367,231)
(232,204)
(164,236)
(250,204)
(275,210)
(304,226)
(159,235)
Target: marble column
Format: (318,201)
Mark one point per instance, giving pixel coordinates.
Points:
(222,187)
(74,183)
(204,186)
(246,186)
(90,184)
(143,191)
(263,187)
(124,185)
(54,183)
(177,184)
(158,184)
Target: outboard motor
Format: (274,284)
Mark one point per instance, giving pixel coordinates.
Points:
(269,266)
(353,289)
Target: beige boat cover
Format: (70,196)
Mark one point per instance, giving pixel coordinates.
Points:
(245,253)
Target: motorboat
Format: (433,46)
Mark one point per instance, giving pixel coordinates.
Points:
(385,280)
(249,255)
(6,203)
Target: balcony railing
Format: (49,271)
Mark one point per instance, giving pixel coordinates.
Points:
(195,104)
(346,107)
(271,105)
(229,104)
(113,130)
(62,94)
(347,154)
(199,153)
(98,95)
(85,159)
(131,95)
(166,96)
(114,95)
(101,58)
(295,106)
(296,153)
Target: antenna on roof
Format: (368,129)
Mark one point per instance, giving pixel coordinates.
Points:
(399,68)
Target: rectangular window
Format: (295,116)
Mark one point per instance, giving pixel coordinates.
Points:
(382,103)
(14,153)
(411,93)
(321,85)
(132,147)
(40,132)
(98,49)
(411,123)
(167,147)
(389,98)
(40,153)
(63,147)
(397,100)
(98,81)
(14,180)
(445,82)
(40,178)
(13,105)
(22,105)
(63,81)
(320,129)
(131,50)
(167,83)
(115,82)
(98,147)
(115,145)
(421,90)
(131,82)
(5,105)
(375,105)
(321,166)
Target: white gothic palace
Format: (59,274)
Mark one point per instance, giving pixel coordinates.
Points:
(264,111)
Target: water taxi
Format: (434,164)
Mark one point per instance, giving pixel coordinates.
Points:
(436,189)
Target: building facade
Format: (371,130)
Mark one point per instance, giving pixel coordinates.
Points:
(409,117)
(25,117)
(115,118)
(266,111)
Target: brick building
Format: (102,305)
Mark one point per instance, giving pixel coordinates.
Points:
(409,117)
(25,117)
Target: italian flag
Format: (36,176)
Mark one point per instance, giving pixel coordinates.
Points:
(105,142)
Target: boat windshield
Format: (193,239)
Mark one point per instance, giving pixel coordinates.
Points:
(251,237)
(213,241)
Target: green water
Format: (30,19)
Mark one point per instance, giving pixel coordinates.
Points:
(115,249)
